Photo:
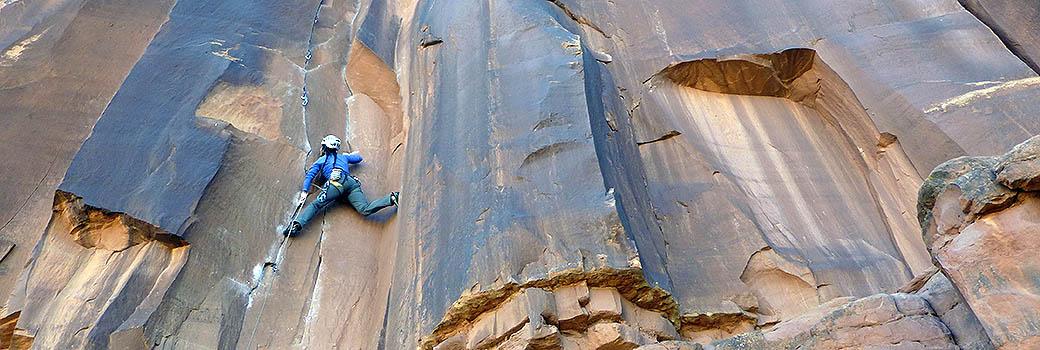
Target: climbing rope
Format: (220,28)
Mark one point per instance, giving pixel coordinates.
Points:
(281,248)
(274,269)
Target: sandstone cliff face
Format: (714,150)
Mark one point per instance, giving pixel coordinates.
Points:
(574,174)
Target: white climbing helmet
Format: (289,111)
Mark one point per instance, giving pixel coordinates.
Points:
(330,141)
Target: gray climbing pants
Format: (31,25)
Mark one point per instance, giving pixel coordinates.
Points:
(349,191)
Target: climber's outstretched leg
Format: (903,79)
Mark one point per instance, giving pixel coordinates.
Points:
(328,194)
(358,200)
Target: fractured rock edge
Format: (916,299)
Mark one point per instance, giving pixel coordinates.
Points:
(99,228)
(629,283)
(880,319)
(535,318)
(138,262)
(777,74)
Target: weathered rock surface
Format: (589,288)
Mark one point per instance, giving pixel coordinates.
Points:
(575,174)
(884,321)
(571,317)
(949,305)
(983,238)
(1017,169)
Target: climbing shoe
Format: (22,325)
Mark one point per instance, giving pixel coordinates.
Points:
(394,196)
(292,229)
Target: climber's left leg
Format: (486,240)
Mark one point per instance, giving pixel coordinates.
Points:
(358,200)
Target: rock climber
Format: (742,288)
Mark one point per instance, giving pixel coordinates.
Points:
(339,185)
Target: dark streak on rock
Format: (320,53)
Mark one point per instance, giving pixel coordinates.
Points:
(578,19)
(430,40)
(549,151)
(480,217)
(553,120)
(666,136)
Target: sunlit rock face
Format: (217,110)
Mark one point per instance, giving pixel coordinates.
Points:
(574,174)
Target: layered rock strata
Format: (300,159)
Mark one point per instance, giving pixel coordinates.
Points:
(571,317)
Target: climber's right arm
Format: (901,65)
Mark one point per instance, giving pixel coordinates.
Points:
(312,173)
(353,157)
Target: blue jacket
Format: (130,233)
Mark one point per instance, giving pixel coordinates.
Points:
(341,161)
